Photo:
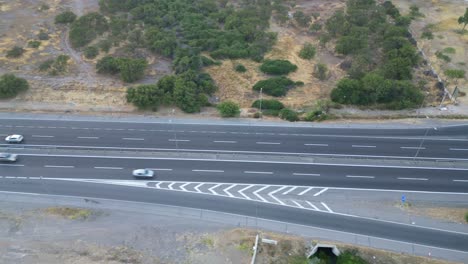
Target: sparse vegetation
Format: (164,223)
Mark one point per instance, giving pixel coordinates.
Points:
(454,73)
(350,257)
(277,67)
(449,50)
(65,17)
(307,52)
(10,86)
(443,56)
(34,44)
(228,109)
(427,35)
(276,86)
(69,213)
(463,20)
(15,52)
(55,67)
(415,13)
(466,217)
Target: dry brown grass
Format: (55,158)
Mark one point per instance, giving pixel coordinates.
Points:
(69,213)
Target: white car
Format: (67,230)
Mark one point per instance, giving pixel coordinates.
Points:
(8,157)
(143,173)
(14,139)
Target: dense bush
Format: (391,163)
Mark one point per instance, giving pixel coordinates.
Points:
(277,67)
(91,52)
(34,44)
(105,45)
(65,17)
(10,86)
(276,86)
(271,104)
(130,70)
(44,66)
(302,19)
(146,96)
(307,52)
(240,68)
(86,28)
(15,52)
(466,217)
(288,114)
(350,257)
(228,109)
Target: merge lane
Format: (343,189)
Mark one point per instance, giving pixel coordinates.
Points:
(244,172)
(410,234)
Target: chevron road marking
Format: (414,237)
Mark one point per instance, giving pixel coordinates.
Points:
(259,190)
(242,192)
(198,186)
(298,205)
(326,207)
(212,189)
(306,190)
(170,186)
(320,192)
(228,188)
(312,205)
(277,190)
(290,190)
(183,185)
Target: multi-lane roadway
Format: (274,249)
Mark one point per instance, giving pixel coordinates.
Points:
(80,151)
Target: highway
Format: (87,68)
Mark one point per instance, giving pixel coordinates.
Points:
(440,143)
(330,175)
(58,157)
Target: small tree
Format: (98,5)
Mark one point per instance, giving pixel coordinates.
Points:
(91,52)
(307,52)
(15,52)
(34,44)
(43,35)
(228,109)
(301,18)
(321,71)
(65,17)
(277,67)
(240,68)
(464,19)
(10,85)
(288,114)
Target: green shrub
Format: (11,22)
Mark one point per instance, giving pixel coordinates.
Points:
(350,257)
(10,86)
(321,71)
(288,114)
(449,50)
(107,65)
(316,115)
(228,109)
(277,67)
(414,12)
(307,52)
(454,73)
(315,27)
(442,56)
(276,86)
(130,70)
(44,66)
(34,44)
(43,35)
(91,52)
(427,35)
(105,45)
(65,17)
(271,104)
(145,96)
(86,28)
(240,68)
(15,52)
(466,217)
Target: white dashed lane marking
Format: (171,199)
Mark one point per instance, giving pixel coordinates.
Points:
(413,179)
(88,137)
(412,147)
(58,166)
(258,172)
(109,168)
(316,145)
(208,170)
(133,138)
(12,165)
(42,136)
(306,174)
(179,140)
(268,143)
(363,146)
(360,176)
(225,141)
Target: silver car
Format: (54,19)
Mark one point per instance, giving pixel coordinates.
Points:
(14,139)
(8,157)
(143,173)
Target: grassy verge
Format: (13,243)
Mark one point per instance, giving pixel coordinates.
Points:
(69,213)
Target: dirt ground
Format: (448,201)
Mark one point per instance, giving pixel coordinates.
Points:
(37,234)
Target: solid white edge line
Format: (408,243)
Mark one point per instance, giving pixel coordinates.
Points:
(265,219)
(244,161)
